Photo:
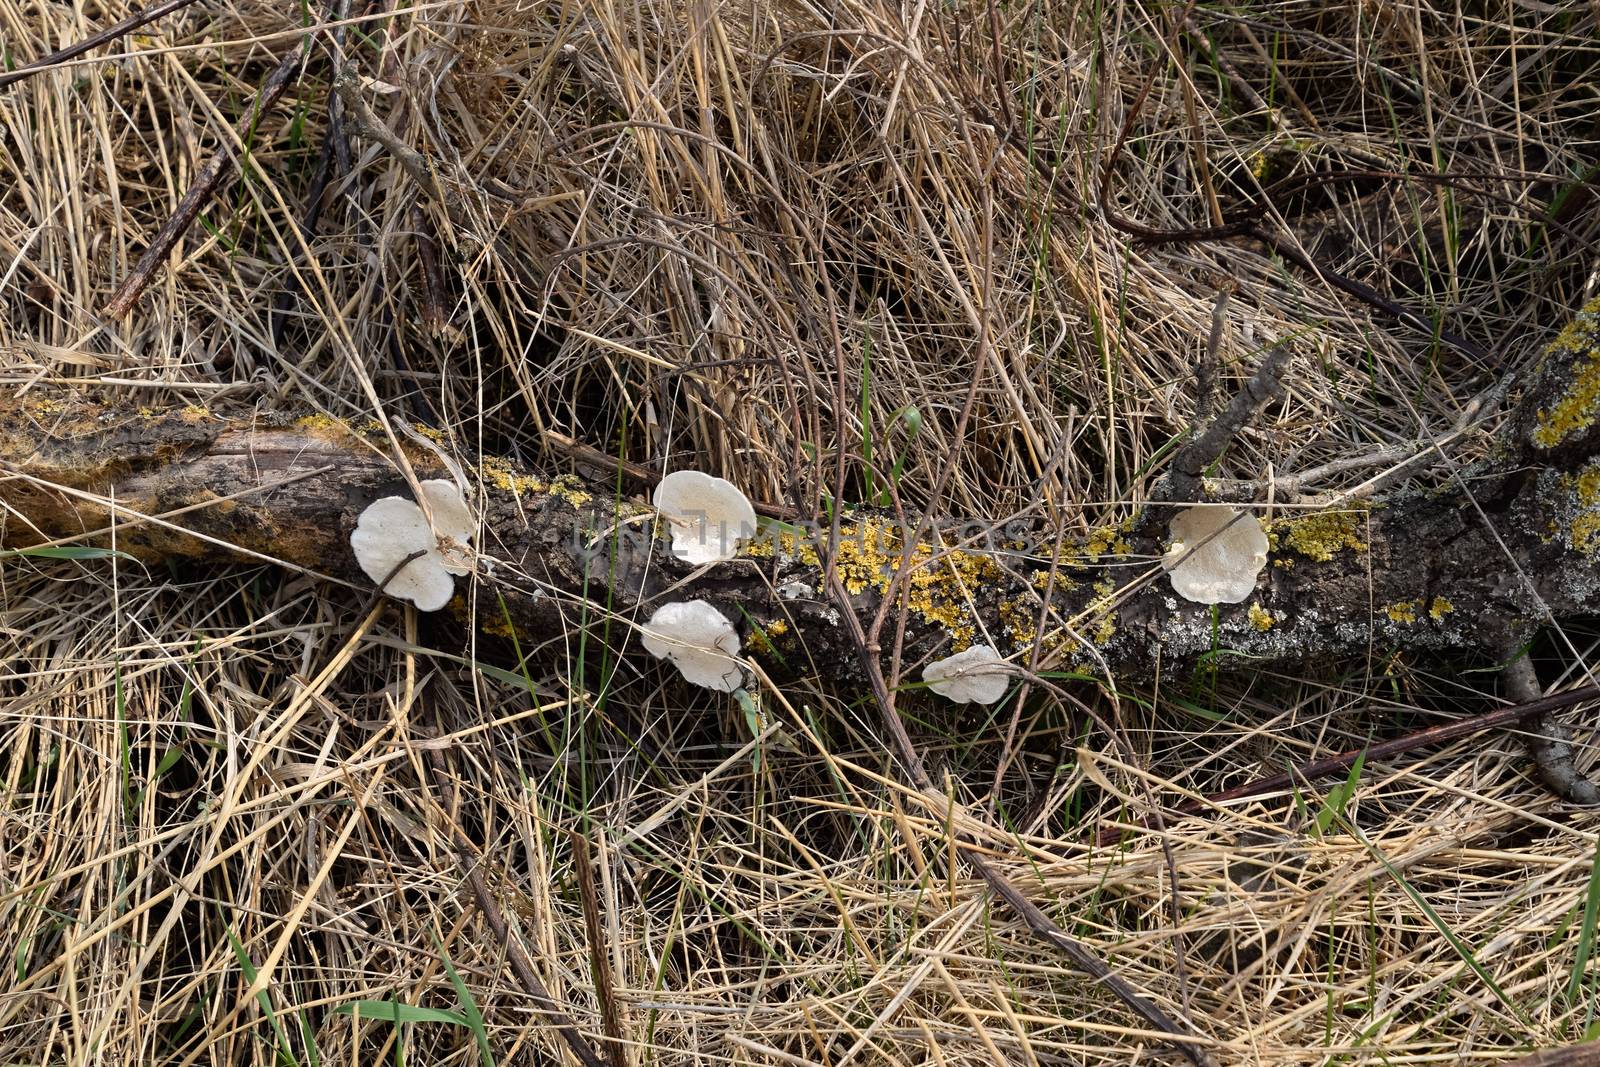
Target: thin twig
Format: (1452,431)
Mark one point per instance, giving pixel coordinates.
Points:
(1331,765)
(520,964)
(367,123)
(1205,372)
(328,167)
(1181,1038)
(93,41)
(610,1015)
(204,187)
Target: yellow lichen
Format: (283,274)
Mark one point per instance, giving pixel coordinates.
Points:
(1102,607)
(1402,611)
(1439,607)
(763,639)
(501,475)
(1320,535)
(322,425)
(1579,405)
(1585,490)
(1018,617)
(1041,580)
(195,413)
(1102,540)
(1107,539)
(870,553)
(1261,618)
(499,626)
(571,489)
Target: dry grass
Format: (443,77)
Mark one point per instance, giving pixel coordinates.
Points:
(750,238)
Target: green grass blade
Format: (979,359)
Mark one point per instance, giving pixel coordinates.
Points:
(247,967)
(1591,915)
(469,1006)
(394,1012)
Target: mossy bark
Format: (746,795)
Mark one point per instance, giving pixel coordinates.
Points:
(1438,570)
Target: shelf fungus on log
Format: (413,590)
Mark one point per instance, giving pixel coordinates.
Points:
(1415,569)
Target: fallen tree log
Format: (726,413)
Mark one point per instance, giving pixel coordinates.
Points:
(1497,551)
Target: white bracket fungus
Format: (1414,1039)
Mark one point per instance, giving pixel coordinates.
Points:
(1223,569)
(709,516)
(393,528)
(971,677)
(699,641)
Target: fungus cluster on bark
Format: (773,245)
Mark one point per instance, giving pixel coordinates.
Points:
(1410,569)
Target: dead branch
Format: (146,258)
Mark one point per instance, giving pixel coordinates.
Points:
(1418,571)
(203,188)
(93,41)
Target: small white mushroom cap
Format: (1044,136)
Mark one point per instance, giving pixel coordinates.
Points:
(1222,570)
(709,516)
(699,641)
(970,677)
(393,528)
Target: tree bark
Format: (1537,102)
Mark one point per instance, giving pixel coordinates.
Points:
(1498,551)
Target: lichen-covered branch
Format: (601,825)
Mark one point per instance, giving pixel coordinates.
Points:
(1415,570)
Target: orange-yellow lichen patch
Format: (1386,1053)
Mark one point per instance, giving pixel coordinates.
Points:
(1439,607)
(570,487)
(499,474)
(763,639)
(940,582)
(323,426)
(499,626)
(1320,535)
(1042,581)
(1107,540)
(1579,403)
(1261,618)
(1019,618)
(1102,611)
(1585,490)
(1401,611)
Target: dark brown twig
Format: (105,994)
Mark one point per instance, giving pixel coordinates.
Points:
(1181,1038)
(520,964)
(1205,372)
(431,280)
(203,188)
(1330,765)
(610,1017)
(331,163)
(93,41)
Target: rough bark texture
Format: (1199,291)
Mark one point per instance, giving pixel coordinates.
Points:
(1414,570)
